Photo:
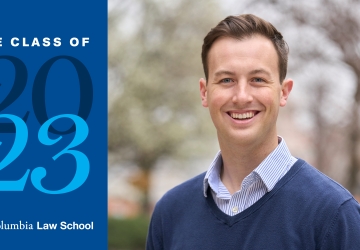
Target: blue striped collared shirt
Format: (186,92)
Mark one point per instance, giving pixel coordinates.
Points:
(254,186)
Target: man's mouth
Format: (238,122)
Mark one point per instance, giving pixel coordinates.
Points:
(243,116)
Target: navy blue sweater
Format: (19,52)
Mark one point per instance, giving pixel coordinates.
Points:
(305,210)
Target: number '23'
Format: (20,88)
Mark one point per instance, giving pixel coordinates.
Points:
(21,136)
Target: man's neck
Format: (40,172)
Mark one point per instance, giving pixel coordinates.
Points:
(239,160)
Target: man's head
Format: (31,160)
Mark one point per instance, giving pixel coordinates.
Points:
(245,26)
(244,87)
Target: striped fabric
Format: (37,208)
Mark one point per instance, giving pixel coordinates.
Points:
(260,181)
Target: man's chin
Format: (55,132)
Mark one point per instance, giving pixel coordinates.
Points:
(242,137)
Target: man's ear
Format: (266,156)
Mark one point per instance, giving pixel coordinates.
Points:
(286,88)
(203,92)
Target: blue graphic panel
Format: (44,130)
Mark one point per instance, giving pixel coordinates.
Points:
(53,124)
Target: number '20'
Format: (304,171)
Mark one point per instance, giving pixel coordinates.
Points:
(80,127)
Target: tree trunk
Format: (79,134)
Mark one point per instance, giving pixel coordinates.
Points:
(353,151)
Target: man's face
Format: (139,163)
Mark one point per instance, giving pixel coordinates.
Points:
(243,92)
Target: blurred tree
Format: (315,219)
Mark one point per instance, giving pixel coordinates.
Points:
(154,68)
(332,39)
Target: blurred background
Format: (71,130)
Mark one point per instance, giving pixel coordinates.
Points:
(160,135)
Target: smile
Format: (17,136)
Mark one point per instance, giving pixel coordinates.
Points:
(243,116)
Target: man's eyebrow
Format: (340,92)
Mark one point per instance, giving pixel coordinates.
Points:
(224,72)
(259,71)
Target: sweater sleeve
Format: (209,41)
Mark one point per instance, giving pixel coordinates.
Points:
(155,237)
(344,231)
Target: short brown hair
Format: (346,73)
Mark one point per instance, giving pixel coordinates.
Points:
(244,26)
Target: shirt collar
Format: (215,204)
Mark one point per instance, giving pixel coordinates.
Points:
(270,170)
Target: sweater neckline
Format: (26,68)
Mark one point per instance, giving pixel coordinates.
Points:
(231,220)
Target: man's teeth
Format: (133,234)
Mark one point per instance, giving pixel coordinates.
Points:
(242,116)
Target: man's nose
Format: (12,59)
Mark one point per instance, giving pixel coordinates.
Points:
(242,93)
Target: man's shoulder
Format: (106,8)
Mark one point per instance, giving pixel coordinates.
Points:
(184,192)
(308,182)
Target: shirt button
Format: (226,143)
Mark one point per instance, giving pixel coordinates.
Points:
(235,209)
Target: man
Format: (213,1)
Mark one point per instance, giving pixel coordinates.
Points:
(255,195)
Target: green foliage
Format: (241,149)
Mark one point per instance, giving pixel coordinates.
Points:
(154,70)
(129,234)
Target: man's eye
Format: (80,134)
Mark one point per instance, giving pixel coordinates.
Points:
(256,79)
(226,80)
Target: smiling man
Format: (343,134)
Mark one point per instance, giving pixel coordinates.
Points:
(255,194)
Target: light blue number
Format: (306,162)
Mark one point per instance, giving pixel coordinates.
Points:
(82,162)
(21,137)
